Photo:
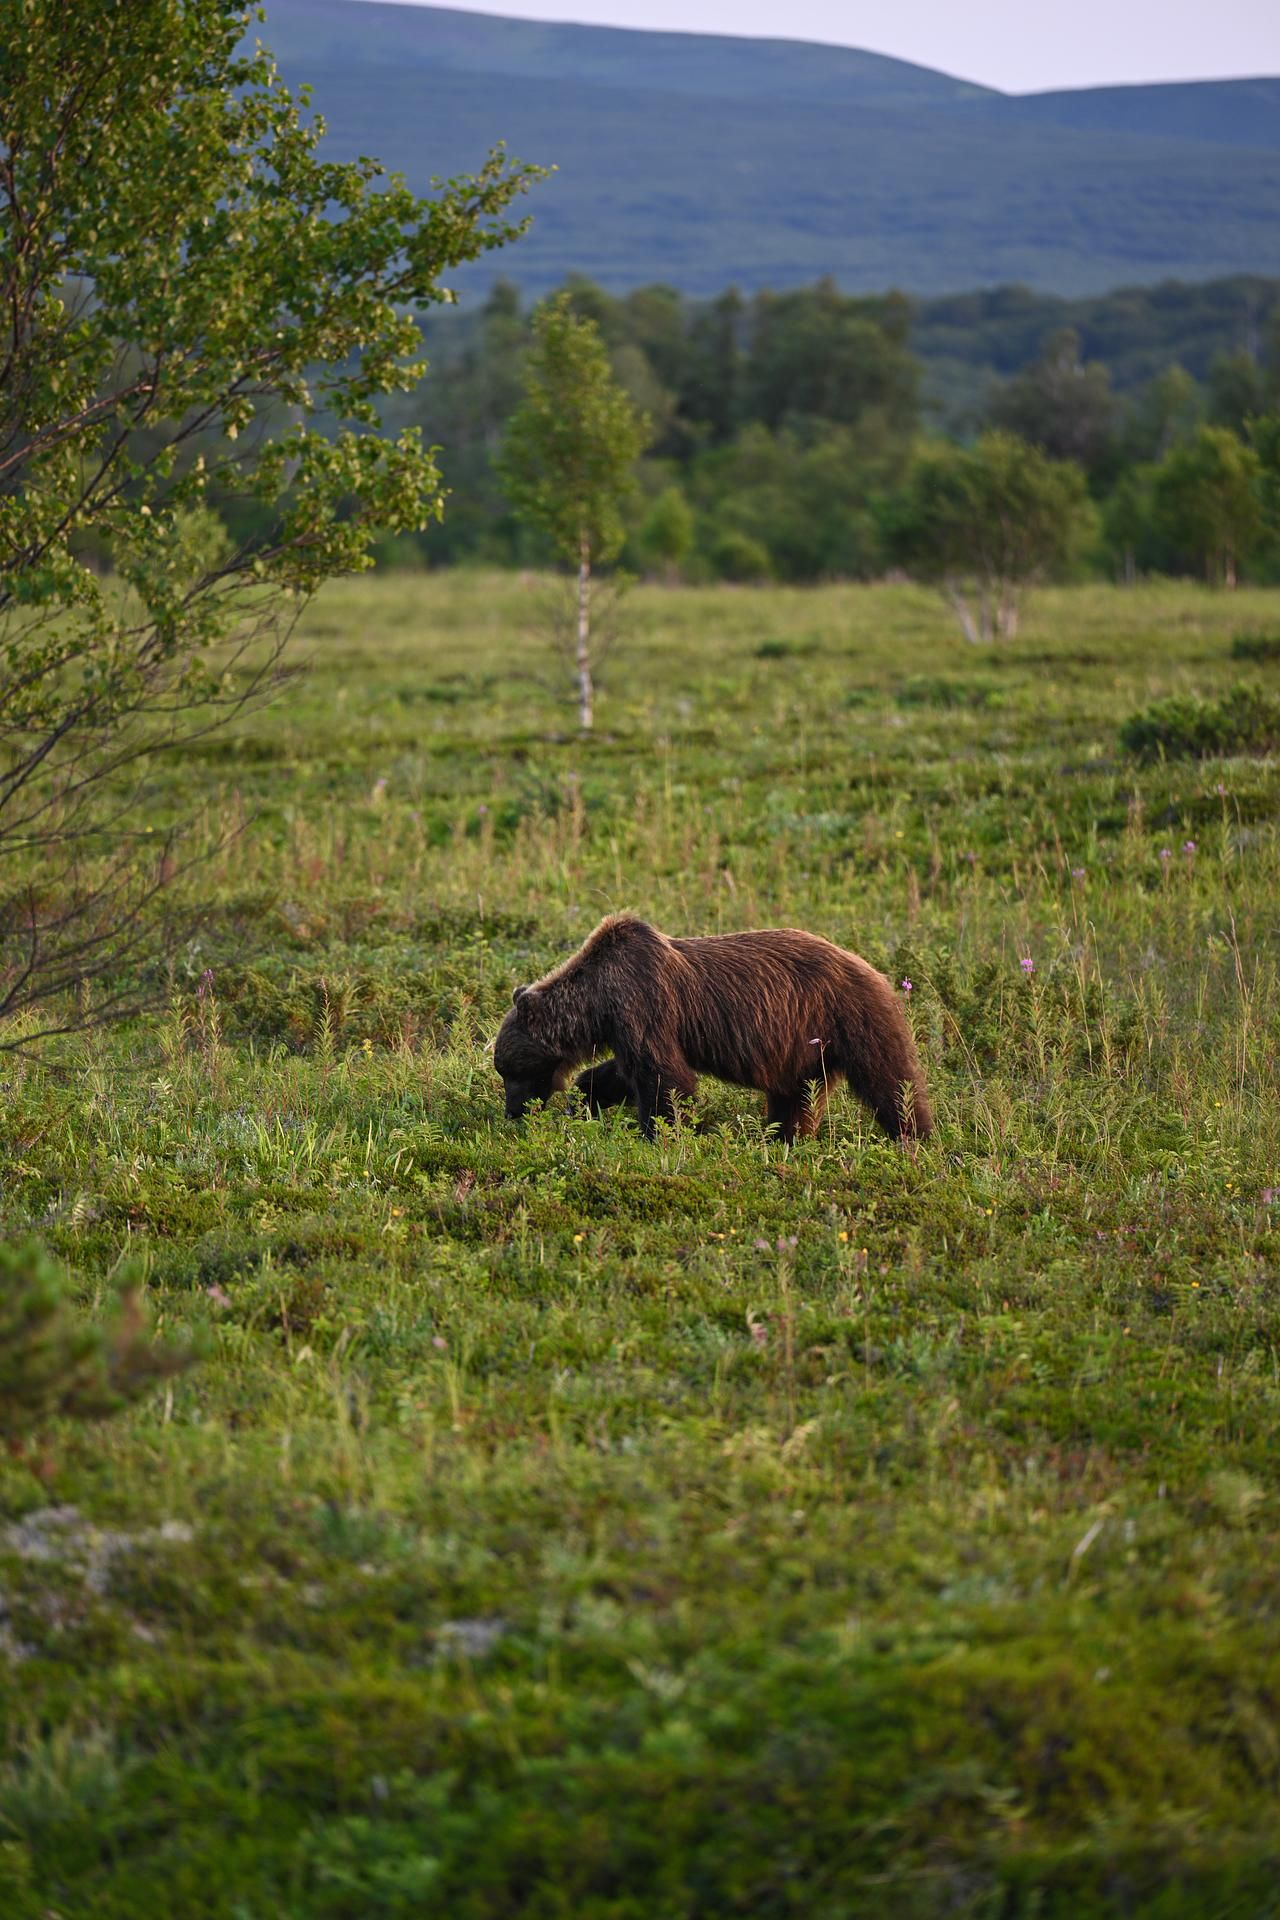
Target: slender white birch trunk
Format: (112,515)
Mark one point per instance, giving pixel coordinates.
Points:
(586,693)
(960,607)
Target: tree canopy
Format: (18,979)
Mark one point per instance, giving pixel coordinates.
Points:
(194,303)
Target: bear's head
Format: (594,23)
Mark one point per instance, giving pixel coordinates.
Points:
(529,1066)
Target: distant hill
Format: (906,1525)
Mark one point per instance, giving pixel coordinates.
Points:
(700,160)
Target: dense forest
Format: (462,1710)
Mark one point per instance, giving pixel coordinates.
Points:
(785,428)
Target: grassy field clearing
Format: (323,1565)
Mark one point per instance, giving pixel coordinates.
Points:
(563,1526)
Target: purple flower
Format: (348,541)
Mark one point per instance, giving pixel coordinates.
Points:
(219,1295)
(439,1342)
(906,986)
(1028,964)
(482,809)
(1077,873)
(1221,790)
(1270,1195)
(1166,853)
(1188,846)
(761,1246)
(785,1241)
(206,984)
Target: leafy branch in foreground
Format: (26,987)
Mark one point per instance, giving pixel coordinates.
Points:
(188,292)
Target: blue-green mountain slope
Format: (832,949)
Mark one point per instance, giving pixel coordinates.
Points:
(700,160)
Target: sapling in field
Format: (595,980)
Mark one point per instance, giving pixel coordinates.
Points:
(568,459)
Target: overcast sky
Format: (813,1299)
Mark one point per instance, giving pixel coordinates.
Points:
(1022,46)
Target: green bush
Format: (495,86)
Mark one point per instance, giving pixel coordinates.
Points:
(942,690)
(736,556)
(52,1362)
(1256,646)
(1185,726)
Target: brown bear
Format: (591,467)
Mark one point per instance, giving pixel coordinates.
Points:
(783,1011)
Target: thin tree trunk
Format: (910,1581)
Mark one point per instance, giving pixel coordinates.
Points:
(586,693)
(960,607)
(1007,615)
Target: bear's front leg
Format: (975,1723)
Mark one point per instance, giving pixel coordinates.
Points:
(604,1086)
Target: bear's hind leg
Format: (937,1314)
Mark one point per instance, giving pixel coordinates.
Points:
(785,1112)
(796,1115)
(655,1087)
(881,1085)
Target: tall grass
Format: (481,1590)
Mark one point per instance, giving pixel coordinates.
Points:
(568,1525)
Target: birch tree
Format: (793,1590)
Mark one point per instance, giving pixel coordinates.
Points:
(986,524)
(194,300)
(568,461)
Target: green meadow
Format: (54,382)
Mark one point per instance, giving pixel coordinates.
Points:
(556,1525)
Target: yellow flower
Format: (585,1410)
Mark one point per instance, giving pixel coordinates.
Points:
(578,1239)
(843,1236)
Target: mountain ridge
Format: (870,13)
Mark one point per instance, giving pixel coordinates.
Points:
(875,171)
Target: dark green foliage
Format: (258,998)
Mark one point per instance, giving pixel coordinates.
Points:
(949,690)
(790,422)
(987,523)
(1207,502)
(570,447)
(738,556)
(54,1363)
(1255,646)
(1060,404)
(1137,332)
(1186,726)
(779,420)
(666,534)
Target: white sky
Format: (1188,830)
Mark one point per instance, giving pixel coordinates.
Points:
(1022,46)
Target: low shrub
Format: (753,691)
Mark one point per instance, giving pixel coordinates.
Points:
(736,556)
(1256,646)
(1186,726)
(946,691)
(53,1362)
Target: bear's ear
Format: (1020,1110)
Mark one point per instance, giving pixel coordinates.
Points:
(518,996)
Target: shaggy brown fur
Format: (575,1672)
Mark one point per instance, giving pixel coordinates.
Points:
(783,1011)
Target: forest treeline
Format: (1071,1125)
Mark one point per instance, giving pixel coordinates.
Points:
(787,430)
